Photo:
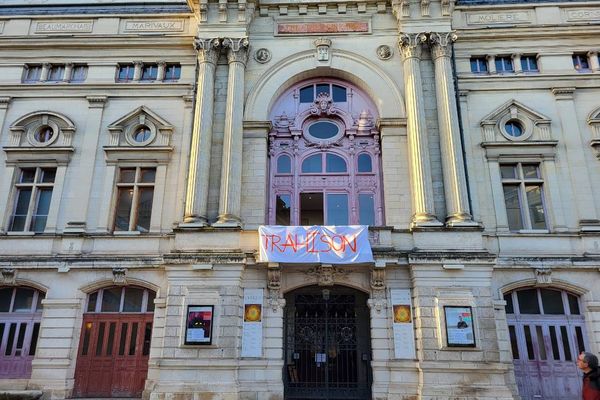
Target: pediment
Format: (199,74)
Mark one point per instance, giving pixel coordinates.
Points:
(135,115)
(515,108)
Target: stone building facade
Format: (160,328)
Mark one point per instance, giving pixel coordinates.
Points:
(145,142)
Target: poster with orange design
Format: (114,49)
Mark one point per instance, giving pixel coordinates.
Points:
(402,322)
(252,326)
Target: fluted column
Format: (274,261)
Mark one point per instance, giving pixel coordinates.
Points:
(196,199)
(455,182)
(231,170)
(418,150)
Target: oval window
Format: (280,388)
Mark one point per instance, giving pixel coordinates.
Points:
(514,128)
(312,164)
(323,130)
(44,134)
(364,163)
(335,163)
(284,165)
(142,134)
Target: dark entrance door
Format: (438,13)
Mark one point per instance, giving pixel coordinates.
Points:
(327,344)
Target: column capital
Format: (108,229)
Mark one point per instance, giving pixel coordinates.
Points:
(208,49)
(237,49)
(410,44)
(441,43)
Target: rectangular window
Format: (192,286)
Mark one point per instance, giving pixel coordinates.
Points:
(135,193)
(283,207)
(337,209)
(311,209)
(479,65)
(125,73)
(529,64)
(32,73)
(581,62)
(32,201)
(366,209)
(504,65)
(56,73)
(78,73)
(172,72)
(523,196)
(149,72)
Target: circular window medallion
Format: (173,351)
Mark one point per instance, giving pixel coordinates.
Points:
(514,128)
(323,130)
(44,134)
(142,134)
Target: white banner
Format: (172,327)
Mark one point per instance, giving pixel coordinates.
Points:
(315,244)
(252,328)
(404,334)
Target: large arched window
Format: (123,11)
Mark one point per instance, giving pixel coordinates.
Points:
(325,128)
(20,318)
(546,328)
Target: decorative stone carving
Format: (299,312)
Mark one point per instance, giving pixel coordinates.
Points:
(276,302)
(411,44)
(323,46)
(262,55)
(29,126)
(327,274)
(119,276)
(384,52)
(447,6)
(377,301)
(441,43)
(237,49)
(9,276)
(208,50)
(425,8)
(122,131)
(543,276)
(535,126)
(401,8)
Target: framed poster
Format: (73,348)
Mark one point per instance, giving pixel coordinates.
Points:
(459,326)
(198,325)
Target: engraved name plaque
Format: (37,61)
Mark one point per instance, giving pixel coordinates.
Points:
(64,26)
(154,26)
(521,17)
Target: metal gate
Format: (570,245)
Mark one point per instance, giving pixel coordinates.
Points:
(327,347)
(547,332)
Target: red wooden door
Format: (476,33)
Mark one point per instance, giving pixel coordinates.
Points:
(112,360)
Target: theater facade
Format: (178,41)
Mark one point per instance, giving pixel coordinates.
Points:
(262,200)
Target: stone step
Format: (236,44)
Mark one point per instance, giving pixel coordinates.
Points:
(20,394)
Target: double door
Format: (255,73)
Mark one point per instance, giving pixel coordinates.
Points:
(327,346)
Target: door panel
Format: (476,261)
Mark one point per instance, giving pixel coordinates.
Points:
(113,355)
(18,341)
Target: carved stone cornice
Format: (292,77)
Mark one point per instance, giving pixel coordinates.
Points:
(237,49)
(441,43)
(410,44)
(208,49)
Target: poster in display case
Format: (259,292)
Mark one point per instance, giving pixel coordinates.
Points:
(459,326)
(198,326)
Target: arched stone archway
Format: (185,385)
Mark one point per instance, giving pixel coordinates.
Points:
(327,343)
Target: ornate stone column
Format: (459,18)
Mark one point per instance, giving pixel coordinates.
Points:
(418,150)
(455,182)
(231,170)
(196,199)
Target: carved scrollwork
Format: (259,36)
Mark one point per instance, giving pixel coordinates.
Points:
(411,44)
(441,43)
(237,49)
(543,276)
(208,49)
(276,302)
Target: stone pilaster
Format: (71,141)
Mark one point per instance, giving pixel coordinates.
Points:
(455,182)
(418,150)
(160,73)
(231,171)
(199,167)
(80,194)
